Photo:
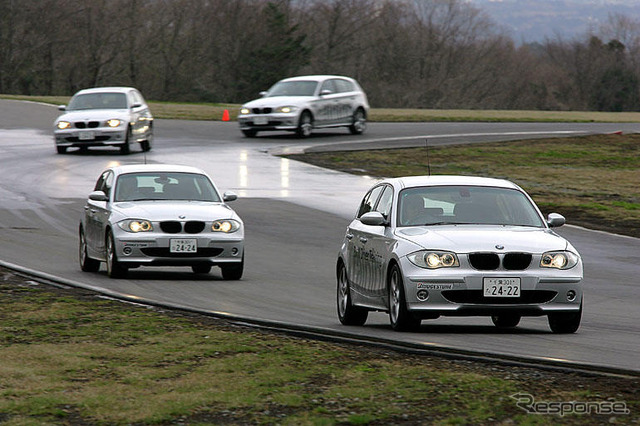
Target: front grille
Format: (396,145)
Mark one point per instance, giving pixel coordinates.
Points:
(193,227)
(491,261)
(171,227)
(267,110)
(90,124)
(165,252)
(516,261)
(476,296)
(484,261)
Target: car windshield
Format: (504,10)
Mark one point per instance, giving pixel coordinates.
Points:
(437,205)
(293,88)
(98,101)
(165,186)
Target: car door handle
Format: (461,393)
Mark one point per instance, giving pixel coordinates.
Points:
(349,236)
(363,240)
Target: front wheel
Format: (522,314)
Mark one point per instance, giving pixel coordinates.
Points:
(359,123)
(399,316)
(506,321)
(61,149)
(565,322)
(201,269)
(147,144)
(347,312)
(250,133)
(86,263)
(115,269)
(124,148)
(233,271)
(305,125)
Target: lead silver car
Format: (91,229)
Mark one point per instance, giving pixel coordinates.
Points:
(301,104)
(421,247)
(160,215)
(104,116)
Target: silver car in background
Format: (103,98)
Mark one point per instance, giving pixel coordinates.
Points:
(421,247)
(104,116)
(160,215)
(301,104)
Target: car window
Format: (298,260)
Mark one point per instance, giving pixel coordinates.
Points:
(137,98)
(385,202)
(328,85)
(293,88)
(466,205)
(105,182)
(344,85)
(165,186)
(370,200)
(104,100)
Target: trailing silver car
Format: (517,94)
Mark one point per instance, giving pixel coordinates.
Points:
(104,116)
(301,104)
(160,215)
(422,247)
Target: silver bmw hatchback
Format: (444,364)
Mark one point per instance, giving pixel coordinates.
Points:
(421,247)
(160,215)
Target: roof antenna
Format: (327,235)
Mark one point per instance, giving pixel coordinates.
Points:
(428,160)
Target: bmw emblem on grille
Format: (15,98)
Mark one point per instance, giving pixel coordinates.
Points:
(499,246)
(181,216)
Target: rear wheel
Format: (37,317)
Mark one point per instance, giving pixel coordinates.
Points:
(305,125)
(565,322)
(506,321)
(359,122)
(86,263)
(399,316)
(347,312)
(114,268)
(233,271)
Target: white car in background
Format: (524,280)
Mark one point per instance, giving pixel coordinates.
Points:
(301,104)
(104,116)
(160,215)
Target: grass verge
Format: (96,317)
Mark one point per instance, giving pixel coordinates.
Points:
(592,180)
(208,111)
(69,357)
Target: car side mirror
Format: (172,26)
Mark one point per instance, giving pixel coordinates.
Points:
(136,106)
(555,220)
(229,196)
(263,94)
(98,196)
(325,92)
(373,219)
(62,107)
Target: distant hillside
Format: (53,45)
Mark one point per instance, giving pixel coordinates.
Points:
(535,20)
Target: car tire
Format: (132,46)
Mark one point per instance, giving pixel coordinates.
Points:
(565,322)
(86,263)
(201,269)
(359,123)
(506,320)
(399,316)
(61,149)
(305,125)
(250,133)
(147,144)
(233,271)
(348,314)
(114,268)
(124,148)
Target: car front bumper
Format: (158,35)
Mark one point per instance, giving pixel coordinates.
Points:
(99,136)
(280,121)
(459,291)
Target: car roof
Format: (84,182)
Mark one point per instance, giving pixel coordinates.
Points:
(315,77)
(445,180)
(168,168)
(114,89)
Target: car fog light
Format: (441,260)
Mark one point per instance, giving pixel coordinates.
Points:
(571,295)
(127,250)
(234,251)
(423,295)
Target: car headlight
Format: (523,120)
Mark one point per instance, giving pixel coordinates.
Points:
(286,109)
(114,122)
(434,259)
(559,260)
(63,125)
(135,225)
(226,226)
(245,110)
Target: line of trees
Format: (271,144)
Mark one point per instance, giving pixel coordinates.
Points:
(405,53)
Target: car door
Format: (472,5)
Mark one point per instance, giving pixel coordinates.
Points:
(347,102)
(142,114)
(97,216)
(329,101)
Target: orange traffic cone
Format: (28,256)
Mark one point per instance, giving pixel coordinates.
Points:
(225,115)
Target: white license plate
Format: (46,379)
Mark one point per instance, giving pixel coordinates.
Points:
(501,287)
(260,121)
(183,245)
(85,136)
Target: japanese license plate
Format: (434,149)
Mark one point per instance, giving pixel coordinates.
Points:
(183,245)
(86,136)
(501,287)
(260,121)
